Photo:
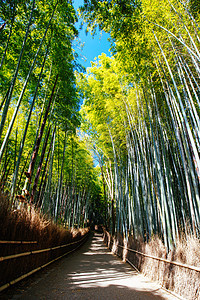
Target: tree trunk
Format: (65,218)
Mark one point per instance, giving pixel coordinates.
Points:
(37,145)
(40,166)
(4,114)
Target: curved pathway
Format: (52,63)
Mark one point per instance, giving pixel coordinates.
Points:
(93,273)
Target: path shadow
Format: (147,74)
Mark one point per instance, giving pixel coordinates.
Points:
(91,272)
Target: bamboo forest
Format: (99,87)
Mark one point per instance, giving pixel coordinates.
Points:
(117,144)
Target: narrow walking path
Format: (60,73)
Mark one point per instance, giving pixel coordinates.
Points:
(92,272)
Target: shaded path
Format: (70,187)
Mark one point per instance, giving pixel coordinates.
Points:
(92,272)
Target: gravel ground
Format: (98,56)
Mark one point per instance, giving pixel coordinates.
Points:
(91,272)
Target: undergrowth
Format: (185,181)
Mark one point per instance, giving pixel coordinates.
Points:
(179,280)
(27,224)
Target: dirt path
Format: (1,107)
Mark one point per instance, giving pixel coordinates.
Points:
(93,273)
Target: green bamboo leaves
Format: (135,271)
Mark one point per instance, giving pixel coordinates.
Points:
(145,101)
(42,161)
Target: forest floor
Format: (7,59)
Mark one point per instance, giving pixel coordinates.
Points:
(92,272)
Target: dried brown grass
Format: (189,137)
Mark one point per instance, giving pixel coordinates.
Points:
(27,224)
(179,280)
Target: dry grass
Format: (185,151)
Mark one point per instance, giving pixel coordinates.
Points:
(27,224)
(182,281)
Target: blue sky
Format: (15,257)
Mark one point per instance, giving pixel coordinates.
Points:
(93,45)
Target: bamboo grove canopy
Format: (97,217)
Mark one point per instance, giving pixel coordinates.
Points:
(139,118)
(141,111)
(43,161)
